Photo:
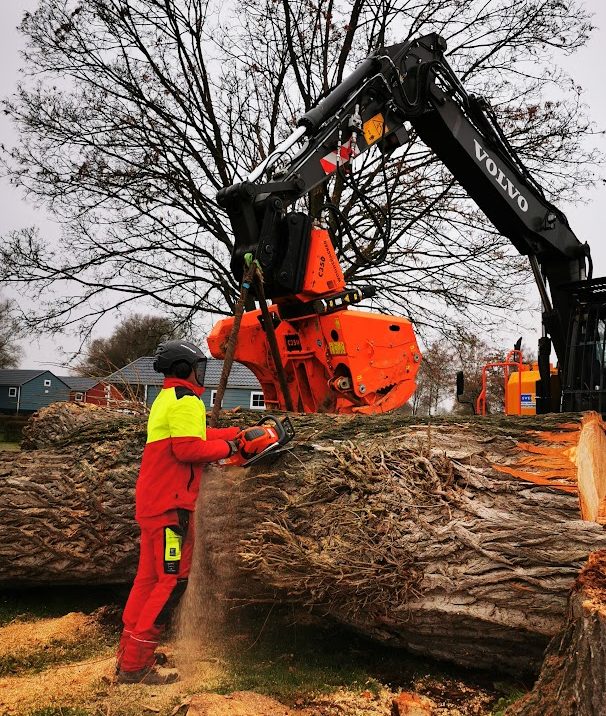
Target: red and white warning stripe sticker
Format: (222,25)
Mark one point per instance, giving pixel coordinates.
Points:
(340,156)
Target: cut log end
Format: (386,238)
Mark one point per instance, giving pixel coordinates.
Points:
(590,458)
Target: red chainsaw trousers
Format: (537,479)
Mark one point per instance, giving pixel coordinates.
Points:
(166,549)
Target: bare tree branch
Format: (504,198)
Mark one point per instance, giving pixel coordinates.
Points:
(133,113)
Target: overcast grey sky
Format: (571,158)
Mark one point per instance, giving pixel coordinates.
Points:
(587,68)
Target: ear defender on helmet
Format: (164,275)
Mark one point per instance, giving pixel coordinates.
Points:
(180,369)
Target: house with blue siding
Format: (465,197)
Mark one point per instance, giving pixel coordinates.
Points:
(140,381)
(243,389)
(25,391)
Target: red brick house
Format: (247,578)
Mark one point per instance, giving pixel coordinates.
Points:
(92,390)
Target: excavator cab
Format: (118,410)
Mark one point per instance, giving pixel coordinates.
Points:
(585,370)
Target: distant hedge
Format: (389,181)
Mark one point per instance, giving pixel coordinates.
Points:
(11,427)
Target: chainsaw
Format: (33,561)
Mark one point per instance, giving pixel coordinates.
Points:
(262,442)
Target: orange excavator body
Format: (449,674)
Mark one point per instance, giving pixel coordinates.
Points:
(519,383)
(336,358)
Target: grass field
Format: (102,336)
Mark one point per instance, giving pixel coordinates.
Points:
(57,659)
(12,447)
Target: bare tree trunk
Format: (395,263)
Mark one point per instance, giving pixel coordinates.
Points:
(459,539)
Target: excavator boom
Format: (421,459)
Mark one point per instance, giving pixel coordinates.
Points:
(341,359)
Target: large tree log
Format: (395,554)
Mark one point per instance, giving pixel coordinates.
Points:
(459,539)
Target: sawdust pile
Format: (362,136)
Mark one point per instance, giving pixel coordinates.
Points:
(343,702)
(54,665)
(248,703)
(38,645)
(30,636)
(239,703)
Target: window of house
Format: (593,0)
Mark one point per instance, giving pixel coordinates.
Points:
(47,383)
(79,397)
(213,394)
(12,392)
(257,402)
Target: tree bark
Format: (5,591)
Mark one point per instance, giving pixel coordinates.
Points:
(67,499)
(458,539)
(572,681)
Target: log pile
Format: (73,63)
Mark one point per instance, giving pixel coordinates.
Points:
(460,539)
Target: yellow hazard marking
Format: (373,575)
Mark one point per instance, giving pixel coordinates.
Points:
(172,545)
(337,323)
(336,348)
(373,129)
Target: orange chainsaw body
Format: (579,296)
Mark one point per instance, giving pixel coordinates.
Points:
(344,360)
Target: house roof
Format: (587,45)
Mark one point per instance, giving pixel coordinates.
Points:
(239,377)
(141,372)
(9,376)
(77,382)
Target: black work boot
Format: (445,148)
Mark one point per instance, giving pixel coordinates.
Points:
(160,659)
(151,676)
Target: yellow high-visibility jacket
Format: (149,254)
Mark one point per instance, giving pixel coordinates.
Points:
(178,444)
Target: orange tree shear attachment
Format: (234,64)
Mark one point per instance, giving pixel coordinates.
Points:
(335,358)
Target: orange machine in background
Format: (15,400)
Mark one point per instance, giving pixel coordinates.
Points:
(520,384)
(335,358)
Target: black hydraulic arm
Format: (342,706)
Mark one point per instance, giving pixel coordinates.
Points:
(408,85)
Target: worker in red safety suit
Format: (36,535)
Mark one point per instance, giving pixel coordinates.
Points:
(178,445)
